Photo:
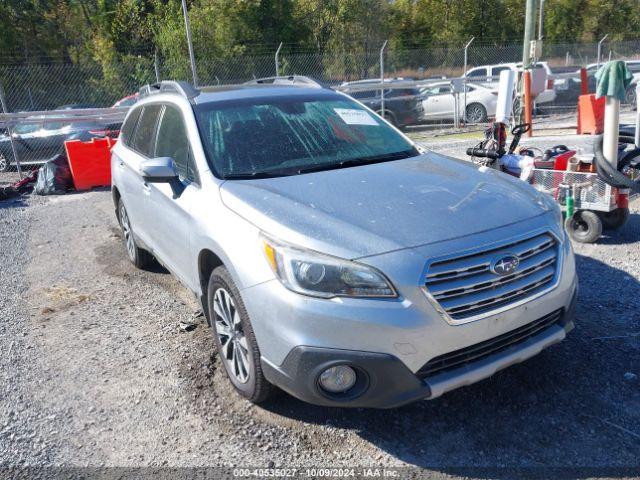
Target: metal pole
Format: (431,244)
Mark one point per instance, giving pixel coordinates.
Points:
(600,50)
(192,57)
(5,110)
(384,45)
(278,59)
(156,67)
(541,21)
(466,47)
(529,26)
(637,136)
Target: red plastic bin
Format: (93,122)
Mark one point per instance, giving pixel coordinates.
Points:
(90,162)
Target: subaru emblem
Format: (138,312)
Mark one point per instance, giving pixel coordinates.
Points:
(505,265)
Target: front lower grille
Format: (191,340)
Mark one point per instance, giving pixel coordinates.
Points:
(459,358)
(466,286)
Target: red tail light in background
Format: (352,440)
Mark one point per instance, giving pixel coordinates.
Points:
(549,83)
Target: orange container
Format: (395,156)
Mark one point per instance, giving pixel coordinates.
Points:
(590,115)
(90,162)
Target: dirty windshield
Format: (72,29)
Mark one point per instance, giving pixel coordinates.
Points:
(275,137)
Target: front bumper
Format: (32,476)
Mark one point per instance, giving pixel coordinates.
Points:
(387,382)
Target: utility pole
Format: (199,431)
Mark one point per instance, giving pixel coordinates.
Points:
(541,21)
(192,57)
(529,28)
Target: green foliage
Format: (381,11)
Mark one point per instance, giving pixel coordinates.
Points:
(120,38)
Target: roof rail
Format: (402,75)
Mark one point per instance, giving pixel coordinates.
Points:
(170,86)
(296,80)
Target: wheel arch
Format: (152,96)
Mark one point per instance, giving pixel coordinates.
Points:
(208,261)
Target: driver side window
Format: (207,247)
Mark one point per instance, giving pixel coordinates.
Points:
(172,141)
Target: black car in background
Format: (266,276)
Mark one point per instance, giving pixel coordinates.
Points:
(38,140)
(569,89)
(402,106)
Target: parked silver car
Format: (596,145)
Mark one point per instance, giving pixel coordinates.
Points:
(333,257)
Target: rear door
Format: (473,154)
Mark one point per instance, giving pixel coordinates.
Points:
(495,75)
(170,213)
(139,146)
(479,75)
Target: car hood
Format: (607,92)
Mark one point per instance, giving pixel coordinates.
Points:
(371,209)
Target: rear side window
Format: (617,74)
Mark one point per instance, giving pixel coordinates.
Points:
(172,141)
(480,72)
(143,139)
(363,94)
(129,127)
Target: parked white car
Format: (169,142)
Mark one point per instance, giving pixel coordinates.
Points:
(487,75)
(439,103)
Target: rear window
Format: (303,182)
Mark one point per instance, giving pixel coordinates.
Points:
(285,136)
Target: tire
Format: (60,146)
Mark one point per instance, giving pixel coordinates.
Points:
(584,227)
(4,164)
(614,219)
(630,96)
(476,113)
(138,256)
(235,341)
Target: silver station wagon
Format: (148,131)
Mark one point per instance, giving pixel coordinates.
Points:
(334,258)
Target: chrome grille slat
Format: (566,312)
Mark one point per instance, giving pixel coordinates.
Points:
(530,265)
(498,294)
(440,271)
(465,286)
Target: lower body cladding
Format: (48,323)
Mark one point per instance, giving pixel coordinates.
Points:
(383,381)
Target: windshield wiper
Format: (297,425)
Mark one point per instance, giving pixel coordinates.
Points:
(352,162)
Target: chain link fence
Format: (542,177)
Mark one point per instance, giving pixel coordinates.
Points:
(89,84)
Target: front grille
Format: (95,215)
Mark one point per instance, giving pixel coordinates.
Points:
(459,358)
(466,287)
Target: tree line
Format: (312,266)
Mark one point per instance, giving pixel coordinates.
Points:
(66,51)
(76,30)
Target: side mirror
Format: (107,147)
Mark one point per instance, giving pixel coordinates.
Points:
(158,170)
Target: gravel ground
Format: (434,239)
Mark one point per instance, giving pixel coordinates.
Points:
(96,371)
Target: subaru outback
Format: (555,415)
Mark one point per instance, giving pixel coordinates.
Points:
(334,258)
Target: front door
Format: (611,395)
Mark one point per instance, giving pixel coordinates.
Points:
(170,209)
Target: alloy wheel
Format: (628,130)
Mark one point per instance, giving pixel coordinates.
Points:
(126,231)
(235,348)
(4,164)
(475,114)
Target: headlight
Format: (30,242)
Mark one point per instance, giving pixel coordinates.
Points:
(312,273)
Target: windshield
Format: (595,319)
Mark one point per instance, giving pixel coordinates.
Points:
(260,137)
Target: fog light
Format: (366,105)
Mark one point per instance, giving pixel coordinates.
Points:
(338,379)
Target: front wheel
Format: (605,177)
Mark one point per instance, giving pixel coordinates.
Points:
(234,338)
(585,226)
(4,164)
